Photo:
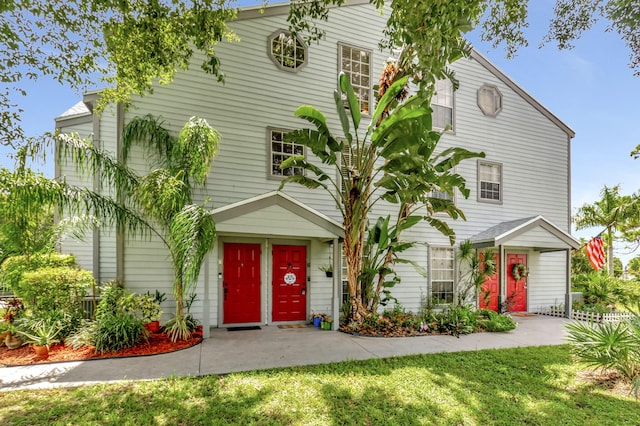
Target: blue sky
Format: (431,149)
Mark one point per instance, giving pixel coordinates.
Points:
(591,88)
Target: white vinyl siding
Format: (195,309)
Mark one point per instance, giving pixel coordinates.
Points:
(532,151)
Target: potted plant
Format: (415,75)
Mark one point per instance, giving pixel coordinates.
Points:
(326,323)
(144,307)
(327,269)
(8,337)
(40,332)
(150,311)
(316,319)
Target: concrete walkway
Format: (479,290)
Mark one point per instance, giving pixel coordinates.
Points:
(270,347)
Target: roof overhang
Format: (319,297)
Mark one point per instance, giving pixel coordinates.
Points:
(275,213)
(532,232)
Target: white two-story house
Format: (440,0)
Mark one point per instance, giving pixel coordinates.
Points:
(520,192)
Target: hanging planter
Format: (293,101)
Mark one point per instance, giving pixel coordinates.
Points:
(519,271)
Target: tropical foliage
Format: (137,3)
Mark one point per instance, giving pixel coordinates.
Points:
(609,345)
(474,268)
(127,45)
(393,159)
(614,212)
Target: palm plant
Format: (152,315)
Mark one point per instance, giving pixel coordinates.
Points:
(159,203)
(394,160)
(609,345)
(613,212)
(165,195)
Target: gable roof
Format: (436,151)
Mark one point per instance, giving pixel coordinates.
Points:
(508,232)
(255,12)
(248,216)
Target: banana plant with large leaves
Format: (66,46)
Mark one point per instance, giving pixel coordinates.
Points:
(393,160)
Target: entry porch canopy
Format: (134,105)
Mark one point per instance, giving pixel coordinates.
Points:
(533,233)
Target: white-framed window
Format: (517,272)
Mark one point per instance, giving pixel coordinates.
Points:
(442,195)
(289,53)
(344,278)
(442,275)
(280,150)
(489,181)
(489,100)
(442,104)
(356,63)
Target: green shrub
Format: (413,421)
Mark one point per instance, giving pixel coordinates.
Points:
(499,323)
(14,267)
(55,289)
(110,295)
(84,335)
(609,346)
(116,332)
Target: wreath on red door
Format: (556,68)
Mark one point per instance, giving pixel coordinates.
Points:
(519,271)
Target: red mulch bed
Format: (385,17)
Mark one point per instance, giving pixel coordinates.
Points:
(158,343)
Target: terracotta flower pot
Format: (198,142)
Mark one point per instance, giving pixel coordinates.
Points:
(153,326)
(42,352)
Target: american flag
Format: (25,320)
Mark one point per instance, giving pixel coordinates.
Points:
(595,253)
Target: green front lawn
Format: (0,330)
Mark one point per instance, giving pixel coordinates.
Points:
(533,386)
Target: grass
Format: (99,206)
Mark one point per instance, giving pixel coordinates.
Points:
(532,386)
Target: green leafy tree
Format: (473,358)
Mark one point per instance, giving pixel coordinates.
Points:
(633,268)
(392,159)
(613,211)
(579,261)
(126,45)
(129,45)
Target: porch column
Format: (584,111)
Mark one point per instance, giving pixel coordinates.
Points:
(206,309)
(501,277)
(337,281)
(567,297)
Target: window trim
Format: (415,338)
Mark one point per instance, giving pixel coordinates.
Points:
(490,163)
(452,130)
(497,92)
(342,44)
(270,175)
(273,58)
(453,278)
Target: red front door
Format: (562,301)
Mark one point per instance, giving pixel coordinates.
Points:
(289,283)
(516,289)
(490,288)
(241,283)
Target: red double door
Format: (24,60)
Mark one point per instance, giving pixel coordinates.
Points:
(241,285)
(516,289)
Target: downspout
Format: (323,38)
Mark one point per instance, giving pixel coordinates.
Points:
(97,187)
(119,232)
(567,297)
(502,278)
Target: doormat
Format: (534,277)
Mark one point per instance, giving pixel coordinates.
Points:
(251,327)
(523,315)
(294,326)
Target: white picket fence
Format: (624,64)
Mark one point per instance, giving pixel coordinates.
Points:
(587,316)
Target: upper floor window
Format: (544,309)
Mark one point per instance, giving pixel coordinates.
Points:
(289,53)
(356,63)
(489,100)
(442,104)
(442,275)
(489,181)
(280,150)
